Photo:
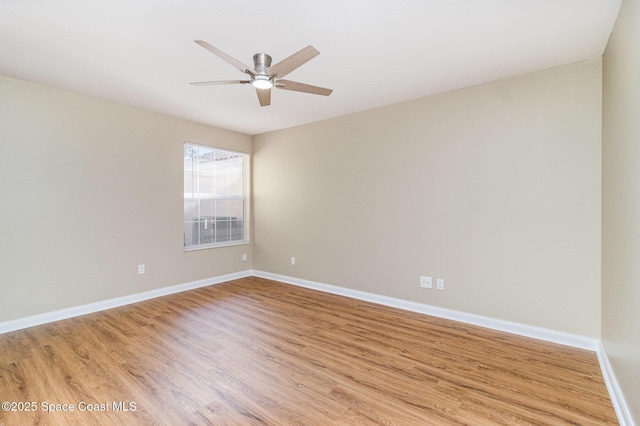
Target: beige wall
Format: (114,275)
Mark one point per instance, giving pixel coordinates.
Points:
(90,189)
(494,188)
(621,204)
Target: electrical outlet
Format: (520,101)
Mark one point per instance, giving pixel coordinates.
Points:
(293,261)
(440,284)
(425,282)
(140,269)
(244,257)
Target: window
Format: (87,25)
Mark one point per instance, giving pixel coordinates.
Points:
(215,203)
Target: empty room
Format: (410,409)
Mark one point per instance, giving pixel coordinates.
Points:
(321,213)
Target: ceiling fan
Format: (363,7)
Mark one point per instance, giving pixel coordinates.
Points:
(264,76)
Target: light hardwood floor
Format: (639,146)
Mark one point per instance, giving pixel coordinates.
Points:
(254,351)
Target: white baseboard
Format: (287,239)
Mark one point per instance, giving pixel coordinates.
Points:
(617,398)
(75,311)
(492,323)
(495,324)
(482,321)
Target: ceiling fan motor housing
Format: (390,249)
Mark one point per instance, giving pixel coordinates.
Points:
(261,62)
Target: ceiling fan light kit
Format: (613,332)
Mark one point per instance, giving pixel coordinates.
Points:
(262,82)
(263,77)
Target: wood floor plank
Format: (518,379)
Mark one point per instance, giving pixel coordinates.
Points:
(255,352)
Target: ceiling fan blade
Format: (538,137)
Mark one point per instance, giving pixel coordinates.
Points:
(264,96)
(229,59)
(211,83)
(301,87)
(294,61)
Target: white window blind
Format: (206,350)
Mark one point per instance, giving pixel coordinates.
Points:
(215,207)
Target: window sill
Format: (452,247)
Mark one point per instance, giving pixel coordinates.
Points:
(220,245)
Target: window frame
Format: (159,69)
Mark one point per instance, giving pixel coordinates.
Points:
(245,198)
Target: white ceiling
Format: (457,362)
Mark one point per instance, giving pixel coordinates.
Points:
(372,52)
